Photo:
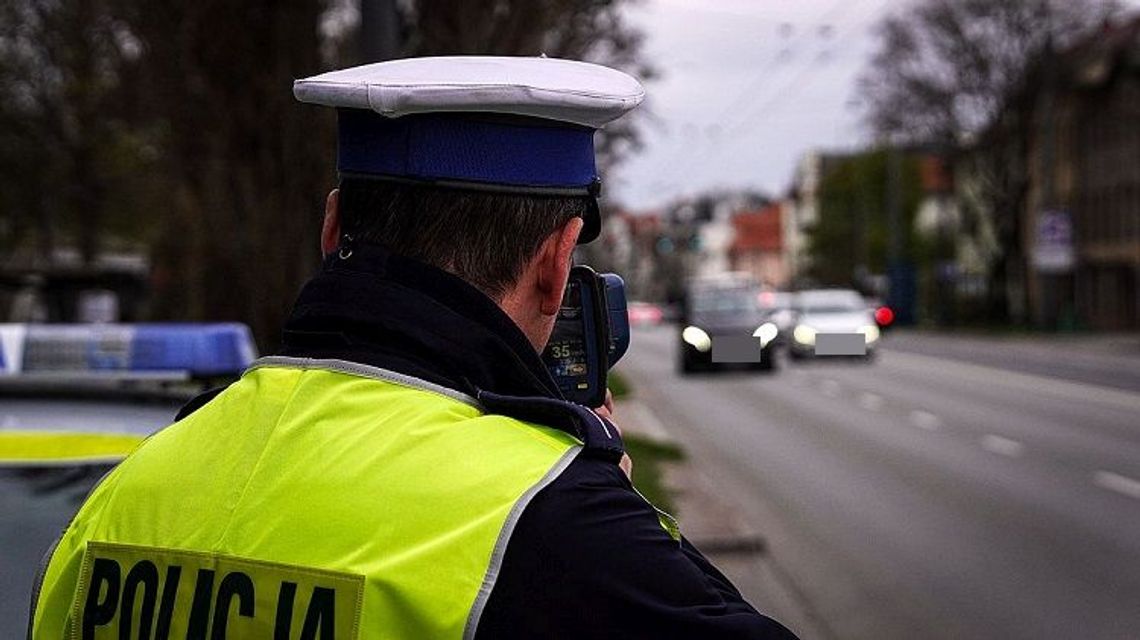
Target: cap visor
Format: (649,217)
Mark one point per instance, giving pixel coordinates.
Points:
(593,227)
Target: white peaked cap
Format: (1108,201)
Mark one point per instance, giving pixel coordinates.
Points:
(579,93)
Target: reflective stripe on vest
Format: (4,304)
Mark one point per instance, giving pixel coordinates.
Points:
(311,499)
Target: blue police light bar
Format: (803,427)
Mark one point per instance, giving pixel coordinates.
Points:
(125,350)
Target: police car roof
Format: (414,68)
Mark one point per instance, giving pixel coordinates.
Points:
(161,351)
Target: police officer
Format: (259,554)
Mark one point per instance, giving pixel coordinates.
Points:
(406,467)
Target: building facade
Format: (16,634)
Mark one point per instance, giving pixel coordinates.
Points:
(1084,185)
(758,246)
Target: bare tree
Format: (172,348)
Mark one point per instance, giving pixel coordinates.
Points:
(950,75)
(63,153)
(247,166)
(944,69)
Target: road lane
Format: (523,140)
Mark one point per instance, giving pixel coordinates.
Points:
(883,505)
(1076,425)
(1104,360)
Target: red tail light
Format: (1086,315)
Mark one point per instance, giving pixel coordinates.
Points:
(884,316)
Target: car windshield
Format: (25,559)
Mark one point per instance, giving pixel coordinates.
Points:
(831,302)
(55,445)
(52,414)
(725,301)
(773,300)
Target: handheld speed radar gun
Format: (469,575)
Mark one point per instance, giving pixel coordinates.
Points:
(590,335)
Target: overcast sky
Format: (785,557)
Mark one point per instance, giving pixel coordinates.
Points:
(746,88)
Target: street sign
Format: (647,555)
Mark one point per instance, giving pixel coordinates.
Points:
(1053,242)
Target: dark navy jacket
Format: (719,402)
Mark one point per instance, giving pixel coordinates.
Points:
(588,559)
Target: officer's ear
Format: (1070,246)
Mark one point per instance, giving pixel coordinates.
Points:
(556,256)
(330,230)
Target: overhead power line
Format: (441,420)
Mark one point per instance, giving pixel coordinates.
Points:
(782,94)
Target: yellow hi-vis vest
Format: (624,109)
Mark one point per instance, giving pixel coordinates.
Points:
(311,499)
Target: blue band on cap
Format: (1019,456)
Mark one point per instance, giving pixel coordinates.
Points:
(453,147)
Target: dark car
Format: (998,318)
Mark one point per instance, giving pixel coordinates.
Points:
(711,313)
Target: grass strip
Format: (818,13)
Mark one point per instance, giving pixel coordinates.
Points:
(649,460)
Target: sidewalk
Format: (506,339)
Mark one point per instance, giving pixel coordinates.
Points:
(715,526)
(707,520)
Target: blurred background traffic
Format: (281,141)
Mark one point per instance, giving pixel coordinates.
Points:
(955,183)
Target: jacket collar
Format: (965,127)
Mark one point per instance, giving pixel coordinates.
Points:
(371,306)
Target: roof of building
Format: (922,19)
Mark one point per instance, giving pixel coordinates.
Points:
(758,230)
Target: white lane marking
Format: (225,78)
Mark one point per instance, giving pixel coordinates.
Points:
(870,401)
(830,388)
(1002,446)
(1118,483)
(925,420)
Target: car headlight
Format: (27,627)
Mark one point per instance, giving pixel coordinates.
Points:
(698,338)
(767,332)
(804,334)
(870,333)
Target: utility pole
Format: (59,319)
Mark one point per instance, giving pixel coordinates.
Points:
(894,223)
(379,30)
(899,273)
(1052,281)
(858,213)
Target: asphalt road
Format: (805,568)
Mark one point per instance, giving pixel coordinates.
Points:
(1106,360)
(921,496)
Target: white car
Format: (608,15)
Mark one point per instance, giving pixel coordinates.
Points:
(833,322)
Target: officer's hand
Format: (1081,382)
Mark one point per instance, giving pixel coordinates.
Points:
(607,411)
(607,408)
